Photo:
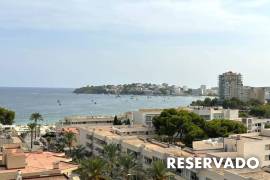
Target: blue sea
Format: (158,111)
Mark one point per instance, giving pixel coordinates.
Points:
(56,103)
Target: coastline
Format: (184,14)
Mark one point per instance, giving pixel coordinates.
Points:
(25,101)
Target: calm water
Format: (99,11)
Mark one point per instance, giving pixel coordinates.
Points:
(25,101)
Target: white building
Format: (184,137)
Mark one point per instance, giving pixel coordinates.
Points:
(243,146)
(144,116)
(147,150)
(255,124)
(210,113)
(89,120)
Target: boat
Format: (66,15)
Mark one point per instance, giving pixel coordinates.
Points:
(59,102)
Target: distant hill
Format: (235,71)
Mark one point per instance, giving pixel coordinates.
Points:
(130,89)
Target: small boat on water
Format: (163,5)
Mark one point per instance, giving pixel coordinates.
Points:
(59,102)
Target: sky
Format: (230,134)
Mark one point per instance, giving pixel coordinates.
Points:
(72,43)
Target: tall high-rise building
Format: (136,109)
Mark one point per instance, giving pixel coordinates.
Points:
(230,85)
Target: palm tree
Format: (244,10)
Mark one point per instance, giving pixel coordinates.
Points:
(36,117)
(78,153)
(110,155)
(92,169)
(128,166)
(32,126)
(158,171)
(70,138)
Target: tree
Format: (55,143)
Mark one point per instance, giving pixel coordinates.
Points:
(36,117)
(233,103)
(60,144)
(32,127)
(127,122)
(223,128)
(262,111)
(92,169)
(187,126)
(206,102)
(128,166)
(267,126)
(116,121)
(78,153)
(243,114)
(70,138)
(158,171)
(180,124)
(193,133)
(6,116)
(110,155)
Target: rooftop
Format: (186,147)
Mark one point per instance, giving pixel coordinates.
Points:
(49,177)
(137,141)
(216,143)
(42,162)
(251,137)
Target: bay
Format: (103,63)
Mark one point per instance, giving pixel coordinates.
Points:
(56,103)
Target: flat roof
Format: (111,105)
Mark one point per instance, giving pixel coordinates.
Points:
(150,146)
(40,162)
(50,177)
(208,144)
(136,141)
(224,154)
(248,173)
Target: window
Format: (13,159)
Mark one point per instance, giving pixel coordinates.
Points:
(193,176)
(179,172)
(155,158)
(147,160)
(267,147)
(267,157)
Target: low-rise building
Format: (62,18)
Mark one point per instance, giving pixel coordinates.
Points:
(254,124)
(33,165)
(210,113)
(147,150)
(144,116)
(88,120)
(253,93)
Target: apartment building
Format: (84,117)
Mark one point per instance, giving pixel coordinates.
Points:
(230,85)
(243,146)
(138,143)
(253,93)
(254,124)
(89,120)
(95,137)
(147,150)
(210,113)
(17,164)
(144,116)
